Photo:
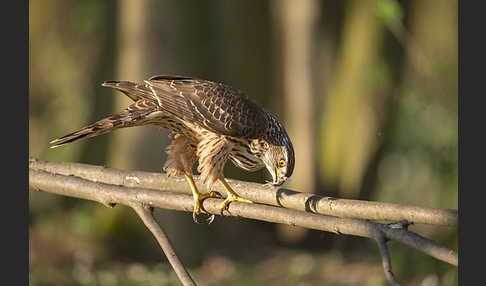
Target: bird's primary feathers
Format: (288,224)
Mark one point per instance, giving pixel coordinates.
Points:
(210,122)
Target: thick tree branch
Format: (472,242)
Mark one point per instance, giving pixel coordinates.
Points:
(259,193)
(112,186)
(110,195)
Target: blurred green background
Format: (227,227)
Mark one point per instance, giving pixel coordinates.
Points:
(368,92)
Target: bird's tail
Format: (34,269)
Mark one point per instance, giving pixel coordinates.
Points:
(139,113)
(133,90)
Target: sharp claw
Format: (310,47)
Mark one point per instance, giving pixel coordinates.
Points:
(198,207)
(214,194)
(209,220)
(224,207)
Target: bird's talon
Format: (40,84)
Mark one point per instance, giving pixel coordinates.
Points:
(229,200)
(214,194)
(208,220)
(198,198)
(224,206)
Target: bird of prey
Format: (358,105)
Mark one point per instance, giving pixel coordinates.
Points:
(209,122)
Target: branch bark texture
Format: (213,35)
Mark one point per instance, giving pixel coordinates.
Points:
(143,191)
(259,193)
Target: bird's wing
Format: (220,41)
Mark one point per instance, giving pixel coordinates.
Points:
(214,106)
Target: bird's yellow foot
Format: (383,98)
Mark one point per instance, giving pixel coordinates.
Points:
(230,199)
(198,198)
(232,196)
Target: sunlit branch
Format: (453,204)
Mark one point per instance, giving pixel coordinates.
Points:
(259,193)
(80,181)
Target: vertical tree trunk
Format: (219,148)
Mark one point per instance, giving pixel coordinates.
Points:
(131,62)
(349,119)
(296,20)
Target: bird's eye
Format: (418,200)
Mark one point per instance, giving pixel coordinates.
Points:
(281,163)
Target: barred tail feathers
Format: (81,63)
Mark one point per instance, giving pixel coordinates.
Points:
(138,113)
(133,90)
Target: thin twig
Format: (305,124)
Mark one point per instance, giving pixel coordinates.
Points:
(145,213)
(385,259)
(259,193)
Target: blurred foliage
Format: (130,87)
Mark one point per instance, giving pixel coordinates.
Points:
(389,11)
(385,96)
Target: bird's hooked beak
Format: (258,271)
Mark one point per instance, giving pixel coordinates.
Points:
(277,179)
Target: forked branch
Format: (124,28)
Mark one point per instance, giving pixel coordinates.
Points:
(259,193)
(111,186)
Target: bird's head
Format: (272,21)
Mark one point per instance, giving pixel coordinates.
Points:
(279,160)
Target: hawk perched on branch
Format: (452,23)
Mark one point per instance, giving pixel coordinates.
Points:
(210,122)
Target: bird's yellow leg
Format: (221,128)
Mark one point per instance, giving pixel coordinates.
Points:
(232,196)
(198,197)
